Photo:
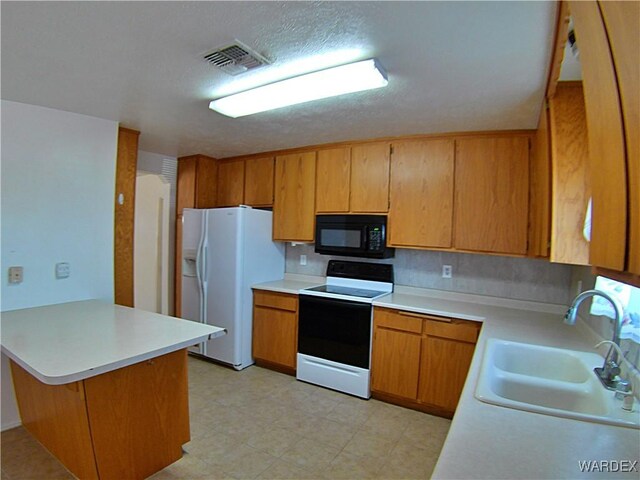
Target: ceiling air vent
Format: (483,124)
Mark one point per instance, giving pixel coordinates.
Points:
(235,59)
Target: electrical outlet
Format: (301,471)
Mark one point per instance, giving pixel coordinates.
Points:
(303,259)
(15,274)
(63,270)
(446,271)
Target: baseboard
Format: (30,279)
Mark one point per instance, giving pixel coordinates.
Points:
(10,425)
(412,404)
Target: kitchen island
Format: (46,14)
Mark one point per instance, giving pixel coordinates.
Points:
(103,387)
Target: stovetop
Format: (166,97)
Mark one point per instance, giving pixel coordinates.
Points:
(349,291)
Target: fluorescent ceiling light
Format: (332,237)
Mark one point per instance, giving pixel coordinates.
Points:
(354,77)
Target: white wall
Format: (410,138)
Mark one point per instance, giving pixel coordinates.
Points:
(58,175)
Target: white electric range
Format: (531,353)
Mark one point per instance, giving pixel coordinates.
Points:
(335,323)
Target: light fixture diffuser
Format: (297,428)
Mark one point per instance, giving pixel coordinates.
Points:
(353,77)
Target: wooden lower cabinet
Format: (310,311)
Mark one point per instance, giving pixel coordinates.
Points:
(127,423)
(395,363)
(421,361)
(275,330)
(447,350)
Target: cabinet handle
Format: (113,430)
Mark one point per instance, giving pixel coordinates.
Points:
(425,317)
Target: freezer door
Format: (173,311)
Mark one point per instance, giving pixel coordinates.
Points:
(222,273)
(192,291)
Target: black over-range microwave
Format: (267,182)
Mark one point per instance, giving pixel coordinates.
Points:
(352,236)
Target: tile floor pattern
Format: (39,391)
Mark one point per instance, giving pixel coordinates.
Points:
(259,424)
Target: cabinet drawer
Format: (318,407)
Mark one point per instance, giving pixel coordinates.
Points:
(281,301)
(463,330)
(398,320)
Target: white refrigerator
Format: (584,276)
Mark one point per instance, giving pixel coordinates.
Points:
(224,252)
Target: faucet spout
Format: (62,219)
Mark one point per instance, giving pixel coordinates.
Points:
(609,370)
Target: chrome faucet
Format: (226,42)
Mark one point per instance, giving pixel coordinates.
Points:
(608,373)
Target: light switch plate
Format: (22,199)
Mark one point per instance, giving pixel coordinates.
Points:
(63,270)
(303,259)
(15,274)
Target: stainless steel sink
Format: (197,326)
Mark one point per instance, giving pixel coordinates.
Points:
(551,381)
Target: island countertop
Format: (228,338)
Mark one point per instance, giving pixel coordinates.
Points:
(63,343)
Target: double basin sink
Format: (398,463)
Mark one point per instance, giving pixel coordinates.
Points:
(551,381)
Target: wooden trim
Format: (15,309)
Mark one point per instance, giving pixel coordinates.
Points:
(412,404)
(124,216)
(623,277)
(351,143)
(129,130)
(559,41)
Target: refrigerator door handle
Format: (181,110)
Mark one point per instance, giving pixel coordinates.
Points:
(204,283)
(199,276)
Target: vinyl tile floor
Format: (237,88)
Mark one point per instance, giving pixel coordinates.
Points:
(259,424)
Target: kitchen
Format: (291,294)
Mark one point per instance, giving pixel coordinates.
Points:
(506,100)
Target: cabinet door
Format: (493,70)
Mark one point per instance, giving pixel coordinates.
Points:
(421,194)
(370,178)
(540,189)
(294,202)
(275,328)
(258,182)
(139,416)
(395,362)
(622,21)
(333,178)
(447,350)
(206,182)
(606,139)
(571,175)
(492,194)
(230,183)
(186,184)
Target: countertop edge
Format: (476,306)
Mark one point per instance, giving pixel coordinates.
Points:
(82,375)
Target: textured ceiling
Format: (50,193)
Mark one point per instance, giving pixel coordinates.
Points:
(452,66)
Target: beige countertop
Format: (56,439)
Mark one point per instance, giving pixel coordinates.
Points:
(67,342)
(292,283)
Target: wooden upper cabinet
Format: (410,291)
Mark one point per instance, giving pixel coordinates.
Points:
(258,181)
(333,180)
(540,189)
(622,21)
(186,184)
(492,194)
(230,183)
(606,135)
(197,182)
(370,178)
(421,193)
(571,175)
(294,201)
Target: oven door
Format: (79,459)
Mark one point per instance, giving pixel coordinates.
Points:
(336,330)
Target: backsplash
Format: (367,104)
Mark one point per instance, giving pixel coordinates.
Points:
(508,277)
